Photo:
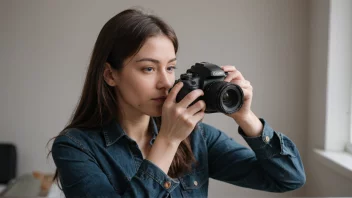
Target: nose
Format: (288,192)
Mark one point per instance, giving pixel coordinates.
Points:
(165,80)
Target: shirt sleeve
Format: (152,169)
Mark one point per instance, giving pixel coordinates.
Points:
(81,176)
(272,164)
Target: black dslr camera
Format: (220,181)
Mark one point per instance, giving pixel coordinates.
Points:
(219,96)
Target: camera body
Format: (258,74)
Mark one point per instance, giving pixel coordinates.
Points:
(219,96)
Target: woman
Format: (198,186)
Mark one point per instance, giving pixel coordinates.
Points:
(129,137)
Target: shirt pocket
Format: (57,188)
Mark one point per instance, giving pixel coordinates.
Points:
(195,184)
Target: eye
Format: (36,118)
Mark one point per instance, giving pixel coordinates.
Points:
(171,68)
(148,69)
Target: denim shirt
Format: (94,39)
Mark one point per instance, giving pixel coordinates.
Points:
(107,163)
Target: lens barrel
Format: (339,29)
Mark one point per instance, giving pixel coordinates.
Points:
(221,96)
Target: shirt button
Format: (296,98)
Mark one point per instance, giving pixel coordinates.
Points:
(195,183)
(167,185)
(267,139)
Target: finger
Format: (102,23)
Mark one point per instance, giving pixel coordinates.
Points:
(171,98)
(242,83)
(228,68)
(191,97)
(247,93)
(197,117)
(234,75)
(198,106)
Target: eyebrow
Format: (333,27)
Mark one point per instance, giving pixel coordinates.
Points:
(153,60)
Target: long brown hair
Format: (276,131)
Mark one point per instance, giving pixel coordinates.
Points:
(121,37)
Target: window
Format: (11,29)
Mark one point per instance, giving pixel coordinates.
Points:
(349,144)
(336,152)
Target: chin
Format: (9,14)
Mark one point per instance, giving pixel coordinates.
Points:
(156,112)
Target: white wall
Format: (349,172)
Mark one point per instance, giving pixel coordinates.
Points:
(330,77)
(45,49)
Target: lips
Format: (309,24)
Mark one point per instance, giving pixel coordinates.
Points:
(160,98)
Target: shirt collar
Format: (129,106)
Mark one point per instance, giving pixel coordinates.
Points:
(113,132)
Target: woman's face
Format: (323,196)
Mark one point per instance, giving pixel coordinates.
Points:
(145,79)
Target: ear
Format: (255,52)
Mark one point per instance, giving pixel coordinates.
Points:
(109,75)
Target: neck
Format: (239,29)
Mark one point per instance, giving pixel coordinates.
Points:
(136,127)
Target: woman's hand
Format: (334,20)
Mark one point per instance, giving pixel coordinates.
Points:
(179,119)
(234,76)
(245,118)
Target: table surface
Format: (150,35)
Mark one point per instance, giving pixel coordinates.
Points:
(28,186)
(2,187)
(24,185)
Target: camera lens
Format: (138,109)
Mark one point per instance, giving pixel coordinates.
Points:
(221,96)
(229,98)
